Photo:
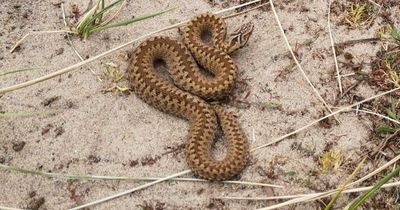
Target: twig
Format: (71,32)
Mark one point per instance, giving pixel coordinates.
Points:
(348,90)
(383,144)
(333,49)
(356,41)
(346,108)
(347,75)
(131,190)
(297,62)
(72,44)
(90,60)
(37,33)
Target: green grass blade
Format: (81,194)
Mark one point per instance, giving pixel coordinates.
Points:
(361,199)
(102,11)
(129,21)
(343,186)
(21,114)
(103,4)
(5,72)
(395,33)
(86,19)
(90,18)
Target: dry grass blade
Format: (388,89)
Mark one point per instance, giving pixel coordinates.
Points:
(8,208)
(297,62)
(376,4)
(347,108)
(283,197)
(245,11)
(38,33)
(379,115)
(237,6)
(333,50)
(130,191)
(124,178)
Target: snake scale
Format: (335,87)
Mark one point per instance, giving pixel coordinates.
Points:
(187,95)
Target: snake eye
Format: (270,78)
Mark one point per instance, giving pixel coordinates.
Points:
(242,35)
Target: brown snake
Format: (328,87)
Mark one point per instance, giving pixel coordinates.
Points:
(186,96)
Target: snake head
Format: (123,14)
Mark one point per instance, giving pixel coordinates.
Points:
(241,36)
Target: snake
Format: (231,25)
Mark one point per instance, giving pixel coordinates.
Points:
(186,92)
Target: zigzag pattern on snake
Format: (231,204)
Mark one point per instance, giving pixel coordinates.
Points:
(187,96)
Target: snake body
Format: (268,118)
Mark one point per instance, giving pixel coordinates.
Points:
(187,95)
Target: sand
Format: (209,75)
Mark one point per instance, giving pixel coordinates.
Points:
(87,131)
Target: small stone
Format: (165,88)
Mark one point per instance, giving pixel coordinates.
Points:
(49,101)
(59,131)
(32,194)
(18,146)
(60,51)
(46,129)
(36,203)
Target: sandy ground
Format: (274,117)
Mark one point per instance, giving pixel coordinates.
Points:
(91,132)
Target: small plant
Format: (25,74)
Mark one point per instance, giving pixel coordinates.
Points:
(392,73)
(391,112)
(395,34)
(381,33)
(386,68)
(331,160)
(94,20)
(389,32)
(308,42)
(271,105)
(359,14)
(115,79)
(290,173)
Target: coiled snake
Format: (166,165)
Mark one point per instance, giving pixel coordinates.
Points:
(187,97)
